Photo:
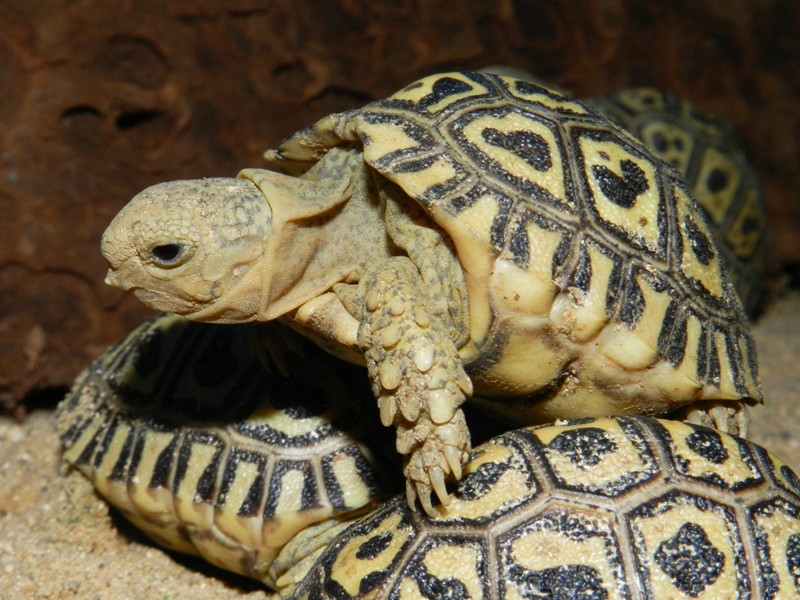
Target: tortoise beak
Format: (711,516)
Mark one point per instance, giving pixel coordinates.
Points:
(111,278)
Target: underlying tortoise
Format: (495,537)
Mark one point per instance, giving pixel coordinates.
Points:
(627,508)
(181,428)
(469,234)
(269,474)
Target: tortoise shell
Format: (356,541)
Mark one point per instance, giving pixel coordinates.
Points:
(714,165)
(595,283)
(180,428)
(625,508)
(269,473)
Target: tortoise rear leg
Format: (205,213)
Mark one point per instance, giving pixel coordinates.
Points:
(417,377)
(729,417)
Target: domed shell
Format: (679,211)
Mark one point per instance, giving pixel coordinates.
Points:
(181,428)
(566,227)
(612,508)
(714,166)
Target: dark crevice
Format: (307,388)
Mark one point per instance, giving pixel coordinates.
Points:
(135,119)
(791,274)
(45,398)
(79,112)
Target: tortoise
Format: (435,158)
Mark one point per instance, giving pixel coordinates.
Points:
(627,507)
(181,428)
(713,163)
(272,475)
(471,236)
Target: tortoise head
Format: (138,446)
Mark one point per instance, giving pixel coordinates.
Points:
(188,246)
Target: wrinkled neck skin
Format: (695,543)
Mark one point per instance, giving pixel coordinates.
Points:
(326,228)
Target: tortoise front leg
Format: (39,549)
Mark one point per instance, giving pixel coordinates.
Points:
(417,377)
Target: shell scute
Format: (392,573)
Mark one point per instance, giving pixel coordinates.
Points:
(705,521)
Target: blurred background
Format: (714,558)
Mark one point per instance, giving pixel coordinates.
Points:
(101,98)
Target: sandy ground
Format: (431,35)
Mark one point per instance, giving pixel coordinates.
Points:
(58,540)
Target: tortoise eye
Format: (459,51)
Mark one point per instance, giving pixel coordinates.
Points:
(168,255)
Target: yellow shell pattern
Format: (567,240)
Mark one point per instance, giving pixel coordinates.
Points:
(627,508)
(182,430)
(260,473)
(714,166)
(591,270)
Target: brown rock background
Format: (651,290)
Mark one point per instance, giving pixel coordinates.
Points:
(100,98)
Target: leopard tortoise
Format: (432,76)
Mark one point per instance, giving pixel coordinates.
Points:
(270,474)
(470,234)
(181,428)
(617,508)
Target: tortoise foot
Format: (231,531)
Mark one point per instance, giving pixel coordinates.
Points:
(729,417)
(434,460)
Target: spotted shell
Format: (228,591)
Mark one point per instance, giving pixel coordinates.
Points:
(714,166)
(594,280)
(627,508)
(180,428)
(269,474)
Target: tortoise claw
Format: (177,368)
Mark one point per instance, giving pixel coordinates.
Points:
(437,481)
(729,417)
(411,495)
(425,501)
(453,457)
(430,465)
(415,490)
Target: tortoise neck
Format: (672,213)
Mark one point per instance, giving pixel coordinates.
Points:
(327,228)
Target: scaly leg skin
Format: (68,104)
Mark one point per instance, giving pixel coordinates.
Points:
(729,417)
(418,379)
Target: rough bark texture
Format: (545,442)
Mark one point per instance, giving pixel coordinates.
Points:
(102,98)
